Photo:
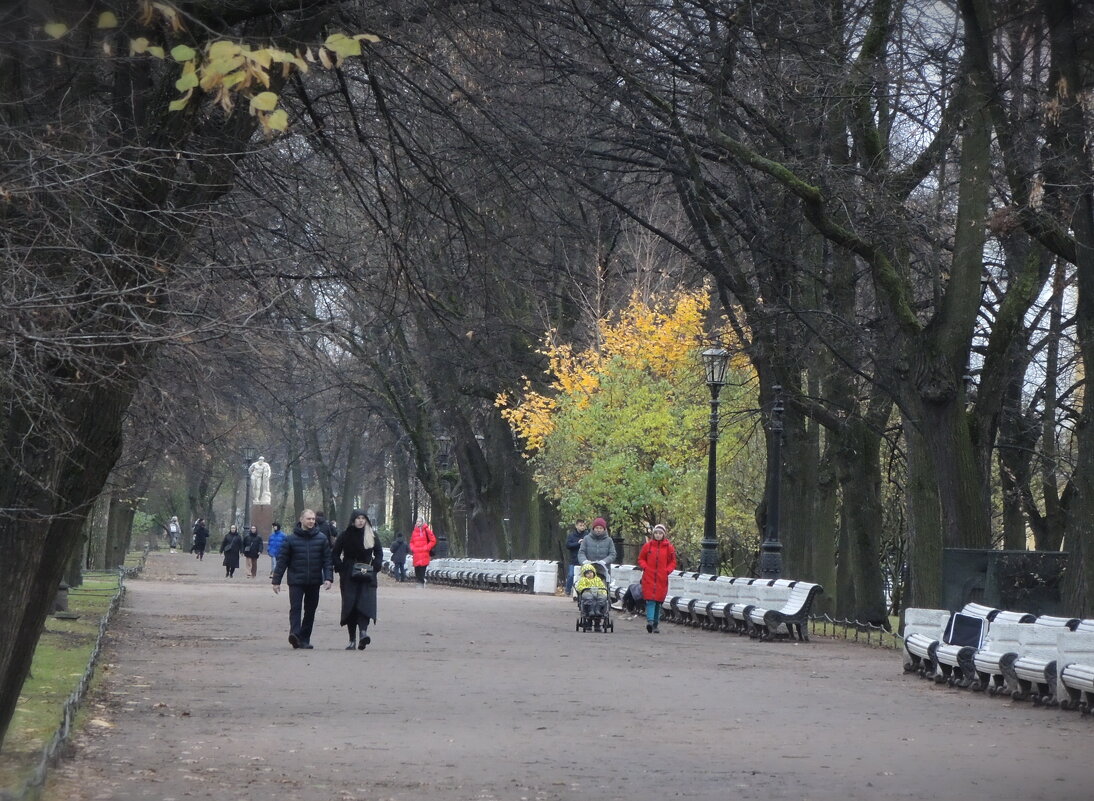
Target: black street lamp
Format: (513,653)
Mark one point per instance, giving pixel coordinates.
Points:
(715,361)
(771,550)
(249,454)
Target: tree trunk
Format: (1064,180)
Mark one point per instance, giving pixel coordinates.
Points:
(825,544)
(798,492)
(347,500)
(56,487)
(402,513)
(924,515)
(856,451)
(119,530)
(322,470)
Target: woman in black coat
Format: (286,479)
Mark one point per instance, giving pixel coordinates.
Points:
(230,546)
(358,544)
(201,536)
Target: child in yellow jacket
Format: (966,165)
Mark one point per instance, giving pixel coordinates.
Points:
(592,592)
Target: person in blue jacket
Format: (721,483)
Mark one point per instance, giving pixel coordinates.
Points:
(274,545)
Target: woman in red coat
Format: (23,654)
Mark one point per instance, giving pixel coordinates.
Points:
(422,541)
(657,559)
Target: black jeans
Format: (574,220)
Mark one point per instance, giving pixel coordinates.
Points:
(306,595)
(419,573)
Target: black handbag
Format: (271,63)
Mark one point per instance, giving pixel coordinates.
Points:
(363,572)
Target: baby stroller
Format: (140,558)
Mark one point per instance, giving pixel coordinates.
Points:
(594,610)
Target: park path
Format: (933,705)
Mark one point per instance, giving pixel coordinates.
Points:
(467,696)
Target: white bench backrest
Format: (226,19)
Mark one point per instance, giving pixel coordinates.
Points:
(1013,617)
(1038,641)
(928,622)
(1072,647)
(977,610)
(797,597)
(1050,620)
(1003,637)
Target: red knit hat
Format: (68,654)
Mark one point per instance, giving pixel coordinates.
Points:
(600,522)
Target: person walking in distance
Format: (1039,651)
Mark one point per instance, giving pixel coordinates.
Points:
(573,545)
(422,543)
(399,550)
(305,561)
(173,532)
(201,537)
(252,549)
(657,559)
(358,558)
(274,545)
(325,528)
(230,546)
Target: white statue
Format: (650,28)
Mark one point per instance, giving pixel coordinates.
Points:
(259,472)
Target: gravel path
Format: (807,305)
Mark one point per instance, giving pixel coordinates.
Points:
(469,695)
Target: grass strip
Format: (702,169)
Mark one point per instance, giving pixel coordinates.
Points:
(60,659)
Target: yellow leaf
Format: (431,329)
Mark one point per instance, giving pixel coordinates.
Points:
(183,53)
(107,20)
(187,81)
(180,104)
(368,37)
(223,49)
(278,121)
(343,46)
(56,30)
(139,45)
(263,57)
(264,101)
(157,51)
(324,58)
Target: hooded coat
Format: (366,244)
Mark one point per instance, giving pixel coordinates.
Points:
(422,541)
(657,559)
(358,597)
(399,550)
(230,546)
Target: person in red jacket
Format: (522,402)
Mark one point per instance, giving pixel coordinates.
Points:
(657,559)
(422,541)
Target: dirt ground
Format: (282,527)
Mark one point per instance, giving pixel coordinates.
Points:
(468,695)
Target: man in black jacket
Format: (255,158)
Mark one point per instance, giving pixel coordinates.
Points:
(306,556)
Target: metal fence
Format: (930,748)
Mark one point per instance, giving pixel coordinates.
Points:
(32,788)
(854,631)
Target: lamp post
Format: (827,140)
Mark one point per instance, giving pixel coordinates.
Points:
(715,362)
(248,457)
(771,550)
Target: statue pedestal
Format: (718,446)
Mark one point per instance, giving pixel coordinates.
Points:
(262,518)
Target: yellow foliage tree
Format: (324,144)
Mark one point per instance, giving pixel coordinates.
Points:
(661,338)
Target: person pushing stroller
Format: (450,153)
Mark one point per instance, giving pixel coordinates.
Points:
(592,599)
